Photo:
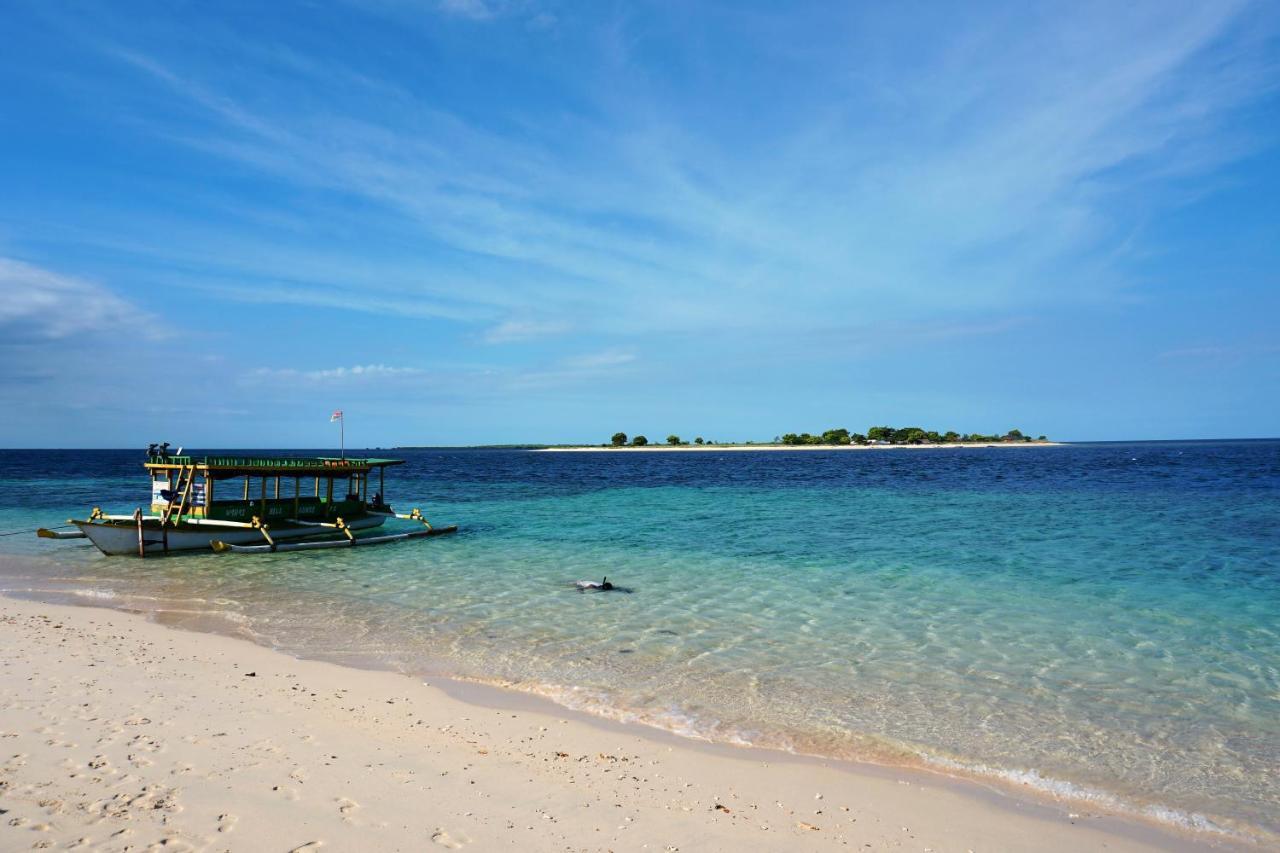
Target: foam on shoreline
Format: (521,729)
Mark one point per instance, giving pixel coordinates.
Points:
(870,750)
(154,762)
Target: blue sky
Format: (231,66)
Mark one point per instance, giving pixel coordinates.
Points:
(479,221)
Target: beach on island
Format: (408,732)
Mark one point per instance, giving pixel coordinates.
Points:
(696,448)
(121,733)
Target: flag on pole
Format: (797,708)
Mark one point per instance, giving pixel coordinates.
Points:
(336,416)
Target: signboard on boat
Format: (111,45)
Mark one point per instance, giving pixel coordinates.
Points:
(158,487)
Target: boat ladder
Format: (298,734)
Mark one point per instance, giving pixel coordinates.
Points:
(186,476)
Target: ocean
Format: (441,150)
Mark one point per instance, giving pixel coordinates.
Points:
(1097,621)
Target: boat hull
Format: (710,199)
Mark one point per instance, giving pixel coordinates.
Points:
(121,537)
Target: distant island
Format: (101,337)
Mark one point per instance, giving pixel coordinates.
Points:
(876,436)
(906,435)
(839,437)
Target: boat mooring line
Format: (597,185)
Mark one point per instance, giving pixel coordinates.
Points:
(20,532)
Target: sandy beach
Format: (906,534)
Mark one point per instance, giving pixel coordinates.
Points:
(120,733)
(698,448)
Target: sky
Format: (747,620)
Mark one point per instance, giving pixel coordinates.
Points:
(505,221)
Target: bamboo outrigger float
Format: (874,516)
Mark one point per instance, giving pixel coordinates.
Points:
(251,504)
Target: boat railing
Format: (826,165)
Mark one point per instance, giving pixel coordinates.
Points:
(168,459)
(282,463)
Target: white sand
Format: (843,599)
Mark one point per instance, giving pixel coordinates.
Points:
(117,733)
(682,448)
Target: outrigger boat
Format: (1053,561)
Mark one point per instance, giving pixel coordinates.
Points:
(250,504)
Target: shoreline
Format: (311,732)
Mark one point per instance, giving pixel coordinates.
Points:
(699,448)
(993,814)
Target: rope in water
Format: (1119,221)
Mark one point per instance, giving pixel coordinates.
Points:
(20,532)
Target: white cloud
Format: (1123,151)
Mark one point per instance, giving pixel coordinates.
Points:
(478,10)
(597,360)
(360,373)
(994,174)
(575,371)
(511,331)
(38,304)
(1221,353)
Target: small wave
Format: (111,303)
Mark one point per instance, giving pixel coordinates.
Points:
(157,605)
(227,615)
(1061,789)
(700,727)
(104,594)
(599,703)
(90,593)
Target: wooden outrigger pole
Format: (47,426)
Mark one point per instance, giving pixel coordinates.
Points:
(46,533)
(328,529)
(223,547)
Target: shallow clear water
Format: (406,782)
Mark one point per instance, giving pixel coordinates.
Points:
(1097,620)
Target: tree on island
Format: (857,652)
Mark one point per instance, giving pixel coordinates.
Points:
(698,440)
(836,436)
(901,435)
(639,441)
(673,440)
(619,439)
(908,435)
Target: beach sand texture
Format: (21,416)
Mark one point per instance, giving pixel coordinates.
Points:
(117,733)
(697,448)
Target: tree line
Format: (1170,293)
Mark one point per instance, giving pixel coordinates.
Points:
(902,435)
(841,436)
(619,439)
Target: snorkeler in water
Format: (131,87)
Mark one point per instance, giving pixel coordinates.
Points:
(602,585)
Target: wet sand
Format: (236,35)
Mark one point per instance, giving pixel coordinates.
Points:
(120,733)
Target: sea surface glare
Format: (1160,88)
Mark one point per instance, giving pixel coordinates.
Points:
(1101,621)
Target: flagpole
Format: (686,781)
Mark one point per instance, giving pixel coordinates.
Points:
(342,436)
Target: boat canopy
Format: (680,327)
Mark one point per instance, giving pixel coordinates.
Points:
(227,467)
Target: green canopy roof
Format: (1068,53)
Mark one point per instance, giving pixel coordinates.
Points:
(296,466)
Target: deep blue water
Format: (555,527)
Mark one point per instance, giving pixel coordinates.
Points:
(1100,620)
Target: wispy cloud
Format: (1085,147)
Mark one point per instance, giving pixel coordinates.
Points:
(510,331)
(479,10)
(1220,352)
(360,373)
(596,360)
(534,13)
(41,305)
(432,183)
(577,371)
(1001,191)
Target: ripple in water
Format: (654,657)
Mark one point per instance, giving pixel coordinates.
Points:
(1099,623)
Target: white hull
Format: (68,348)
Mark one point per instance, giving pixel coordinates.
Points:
(121,537)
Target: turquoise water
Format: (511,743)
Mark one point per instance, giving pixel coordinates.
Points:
(1099,621)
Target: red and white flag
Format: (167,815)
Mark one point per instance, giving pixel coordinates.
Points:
(336,416)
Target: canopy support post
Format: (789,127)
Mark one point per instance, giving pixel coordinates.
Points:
(142,545)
